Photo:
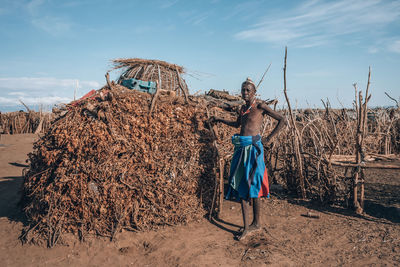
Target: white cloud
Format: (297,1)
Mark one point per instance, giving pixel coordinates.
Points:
(42,18)
(315,22)
(168,3)
(373,50)
(44,90)
(243,11)
(46,100)
(52,25)
(17,93)
(395,46)
(7,101)
(44,84)
(141,29)
(198,19)
(34,5)
(316,73)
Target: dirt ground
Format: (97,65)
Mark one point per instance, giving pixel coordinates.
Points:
(337,237)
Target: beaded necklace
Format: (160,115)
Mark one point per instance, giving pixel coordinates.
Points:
(242,113)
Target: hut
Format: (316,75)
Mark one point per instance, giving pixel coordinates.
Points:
(167,76)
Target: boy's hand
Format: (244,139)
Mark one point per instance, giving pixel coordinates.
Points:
(266,140)
(213,119)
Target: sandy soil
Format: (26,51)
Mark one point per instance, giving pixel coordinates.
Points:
(337,237)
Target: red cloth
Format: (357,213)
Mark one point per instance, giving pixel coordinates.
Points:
(91,94)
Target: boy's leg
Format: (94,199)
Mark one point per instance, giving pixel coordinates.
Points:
(245,213)
(256,224)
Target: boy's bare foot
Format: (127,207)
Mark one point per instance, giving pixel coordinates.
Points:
(254,227)
(242,235)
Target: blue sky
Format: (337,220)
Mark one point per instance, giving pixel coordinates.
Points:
(48,47)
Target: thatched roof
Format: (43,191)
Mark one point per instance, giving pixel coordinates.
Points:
(131,62)
(167,75)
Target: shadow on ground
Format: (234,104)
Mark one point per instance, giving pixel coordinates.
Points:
(382,198)
(372,211)
(375,209)
(224,225)
(9,198)
(16,164)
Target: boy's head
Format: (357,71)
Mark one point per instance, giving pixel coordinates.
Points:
(248,90)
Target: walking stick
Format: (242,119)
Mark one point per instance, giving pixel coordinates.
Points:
(214,134)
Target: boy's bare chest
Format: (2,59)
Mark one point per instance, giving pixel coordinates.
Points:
(254,118)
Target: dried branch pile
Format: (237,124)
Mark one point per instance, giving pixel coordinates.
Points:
(21,122)
(106,165)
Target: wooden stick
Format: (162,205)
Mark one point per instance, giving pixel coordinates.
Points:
(356,204)
(262,78)
(25,105)
(353,165)
(221,186)
(295,140)
(181,86)
(355,97)
(218,158)
(153,101)
(362,192)
(40,126)
(361,143)
(108,81)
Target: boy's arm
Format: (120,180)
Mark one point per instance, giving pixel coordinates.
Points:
(277,116)
(235,124)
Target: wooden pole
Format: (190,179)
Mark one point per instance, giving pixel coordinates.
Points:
(363,134)
(25,105)
(153,101)
(359,105)
(217,177)
(397,102)
(295,136)
(262,78)
(221,186)
(184,90)
(362,119)
(108,80)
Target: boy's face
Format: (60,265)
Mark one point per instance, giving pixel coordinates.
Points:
(248,92)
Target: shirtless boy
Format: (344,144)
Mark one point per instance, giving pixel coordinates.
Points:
(248,176)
